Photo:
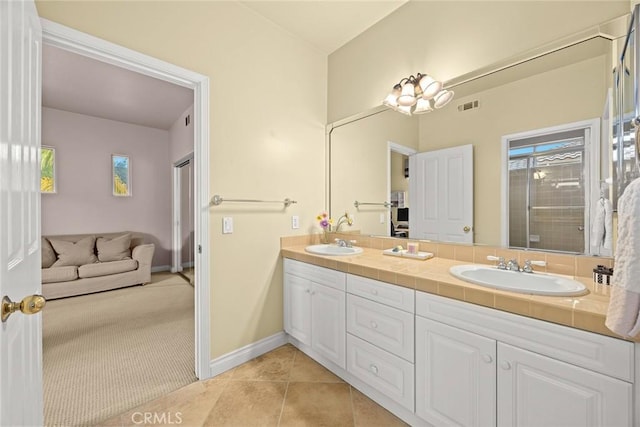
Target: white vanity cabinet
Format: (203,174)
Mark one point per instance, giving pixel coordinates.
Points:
(507,370)
(380,337)
(455,376)
(534,390)
(314,308)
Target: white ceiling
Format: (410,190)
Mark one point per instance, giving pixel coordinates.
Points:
(79,84)
(328,25)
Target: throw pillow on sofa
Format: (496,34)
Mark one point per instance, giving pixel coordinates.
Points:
(78,253)
(115,249)
(48,254)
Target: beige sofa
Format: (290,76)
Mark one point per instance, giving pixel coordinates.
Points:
(85,263)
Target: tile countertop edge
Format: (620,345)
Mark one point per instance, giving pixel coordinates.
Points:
(587,312)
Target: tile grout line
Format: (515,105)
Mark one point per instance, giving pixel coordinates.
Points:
(286,391)
(353,409)
(224,388)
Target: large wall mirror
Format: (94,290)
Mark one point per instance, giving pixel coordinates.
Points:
(545,88)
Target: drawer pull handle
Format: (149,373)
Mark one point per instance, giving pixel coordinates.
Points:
(487,358)
(374,325)
(374,369)
(505,365)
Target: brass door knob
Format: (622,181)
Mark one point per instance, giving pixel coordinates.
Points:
(29,305)
(466,229)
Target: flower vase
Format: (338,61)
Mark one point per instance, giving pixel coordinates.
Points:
(325,237)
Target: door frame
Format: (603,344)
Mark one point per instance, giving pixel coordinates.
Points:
(401,149)
(66,38)
(592,164)
(176,199)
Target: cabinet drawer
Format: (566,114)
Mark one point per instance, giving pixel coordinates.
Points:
(607,355)
(324,276)
(383,371)
(392,295)
(388,328)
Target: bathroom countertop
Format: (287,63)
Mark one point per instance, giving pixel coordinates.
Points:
(585,312)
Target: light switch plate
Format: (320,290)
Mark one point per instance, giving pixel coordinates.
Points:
(227,225)
(295,222)
(382,218)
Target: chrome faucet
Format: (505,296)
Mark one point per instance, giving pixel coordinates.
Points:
(512,265)
(345,243)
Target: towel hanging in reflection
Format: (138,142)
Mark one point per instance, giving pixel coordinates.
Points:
(623,315)
(602,228)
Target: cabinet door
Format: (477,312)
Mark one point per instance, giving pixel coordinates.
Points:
(535,390)
(297,308)
(455,376)
(328,323)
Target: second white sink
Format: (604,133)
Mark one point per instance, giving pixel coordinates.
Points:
(332,250)
(525,283)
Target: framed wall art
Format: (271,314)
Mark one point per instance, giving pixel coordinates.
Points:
(121,171)
(47,169)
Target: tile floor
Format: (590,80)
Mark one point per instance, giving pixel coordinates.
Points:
(281,388)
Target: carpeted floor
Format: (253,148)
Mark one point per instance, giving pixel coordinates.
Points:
(109,352)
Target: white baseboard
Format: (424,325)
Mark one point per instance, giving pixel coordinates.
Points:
(159,268)
(238,357)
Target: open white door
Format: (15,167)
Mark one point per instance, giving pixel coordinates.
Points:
(21,401)
(441,195)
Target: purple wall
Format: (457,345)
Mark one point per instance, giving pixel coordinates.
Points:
(84,202)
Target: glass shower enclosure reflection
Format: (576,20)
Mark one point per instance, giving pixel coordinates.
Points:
(626,111)
(547,192)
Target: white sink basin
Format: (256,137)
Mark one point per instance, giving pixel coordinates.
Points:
(333,250)
(525,283)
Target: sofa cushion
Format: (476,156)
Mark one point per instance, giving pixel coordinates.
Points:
(115,249)
(78,253)
(106,268)
(59,274)
(48,254)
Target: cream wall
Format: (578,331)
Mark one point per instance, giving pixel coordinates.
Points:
(268,112)
(564,95)
(447,39)
(359,162)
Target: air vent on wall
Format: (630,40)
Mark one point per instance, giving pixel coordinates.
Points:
(187,120)
(469,105)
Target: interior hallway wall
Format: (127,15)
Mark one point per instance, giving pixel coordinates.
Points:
(84,202)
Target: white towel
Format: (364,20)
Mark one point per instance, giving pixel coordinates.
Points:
(623,315)
(602,228)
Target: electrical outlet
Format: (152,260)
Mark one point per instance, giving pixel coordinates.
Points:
(382,218)
(227,225)
(295,222)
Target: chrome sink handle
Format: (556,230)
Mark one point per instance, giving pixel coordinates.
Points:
(501,265)
(528,265)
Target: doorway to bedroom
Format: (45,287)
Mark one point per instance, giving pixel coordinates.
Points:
(148,311)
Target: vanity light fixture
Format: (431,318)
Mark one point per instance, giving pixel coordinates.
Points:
(413,95)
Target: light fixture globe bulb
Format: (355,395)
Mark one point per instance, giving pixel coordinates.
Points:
(408,96)
(443,98)
(391,101)
(404,109)
(429,86)
(422,106)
